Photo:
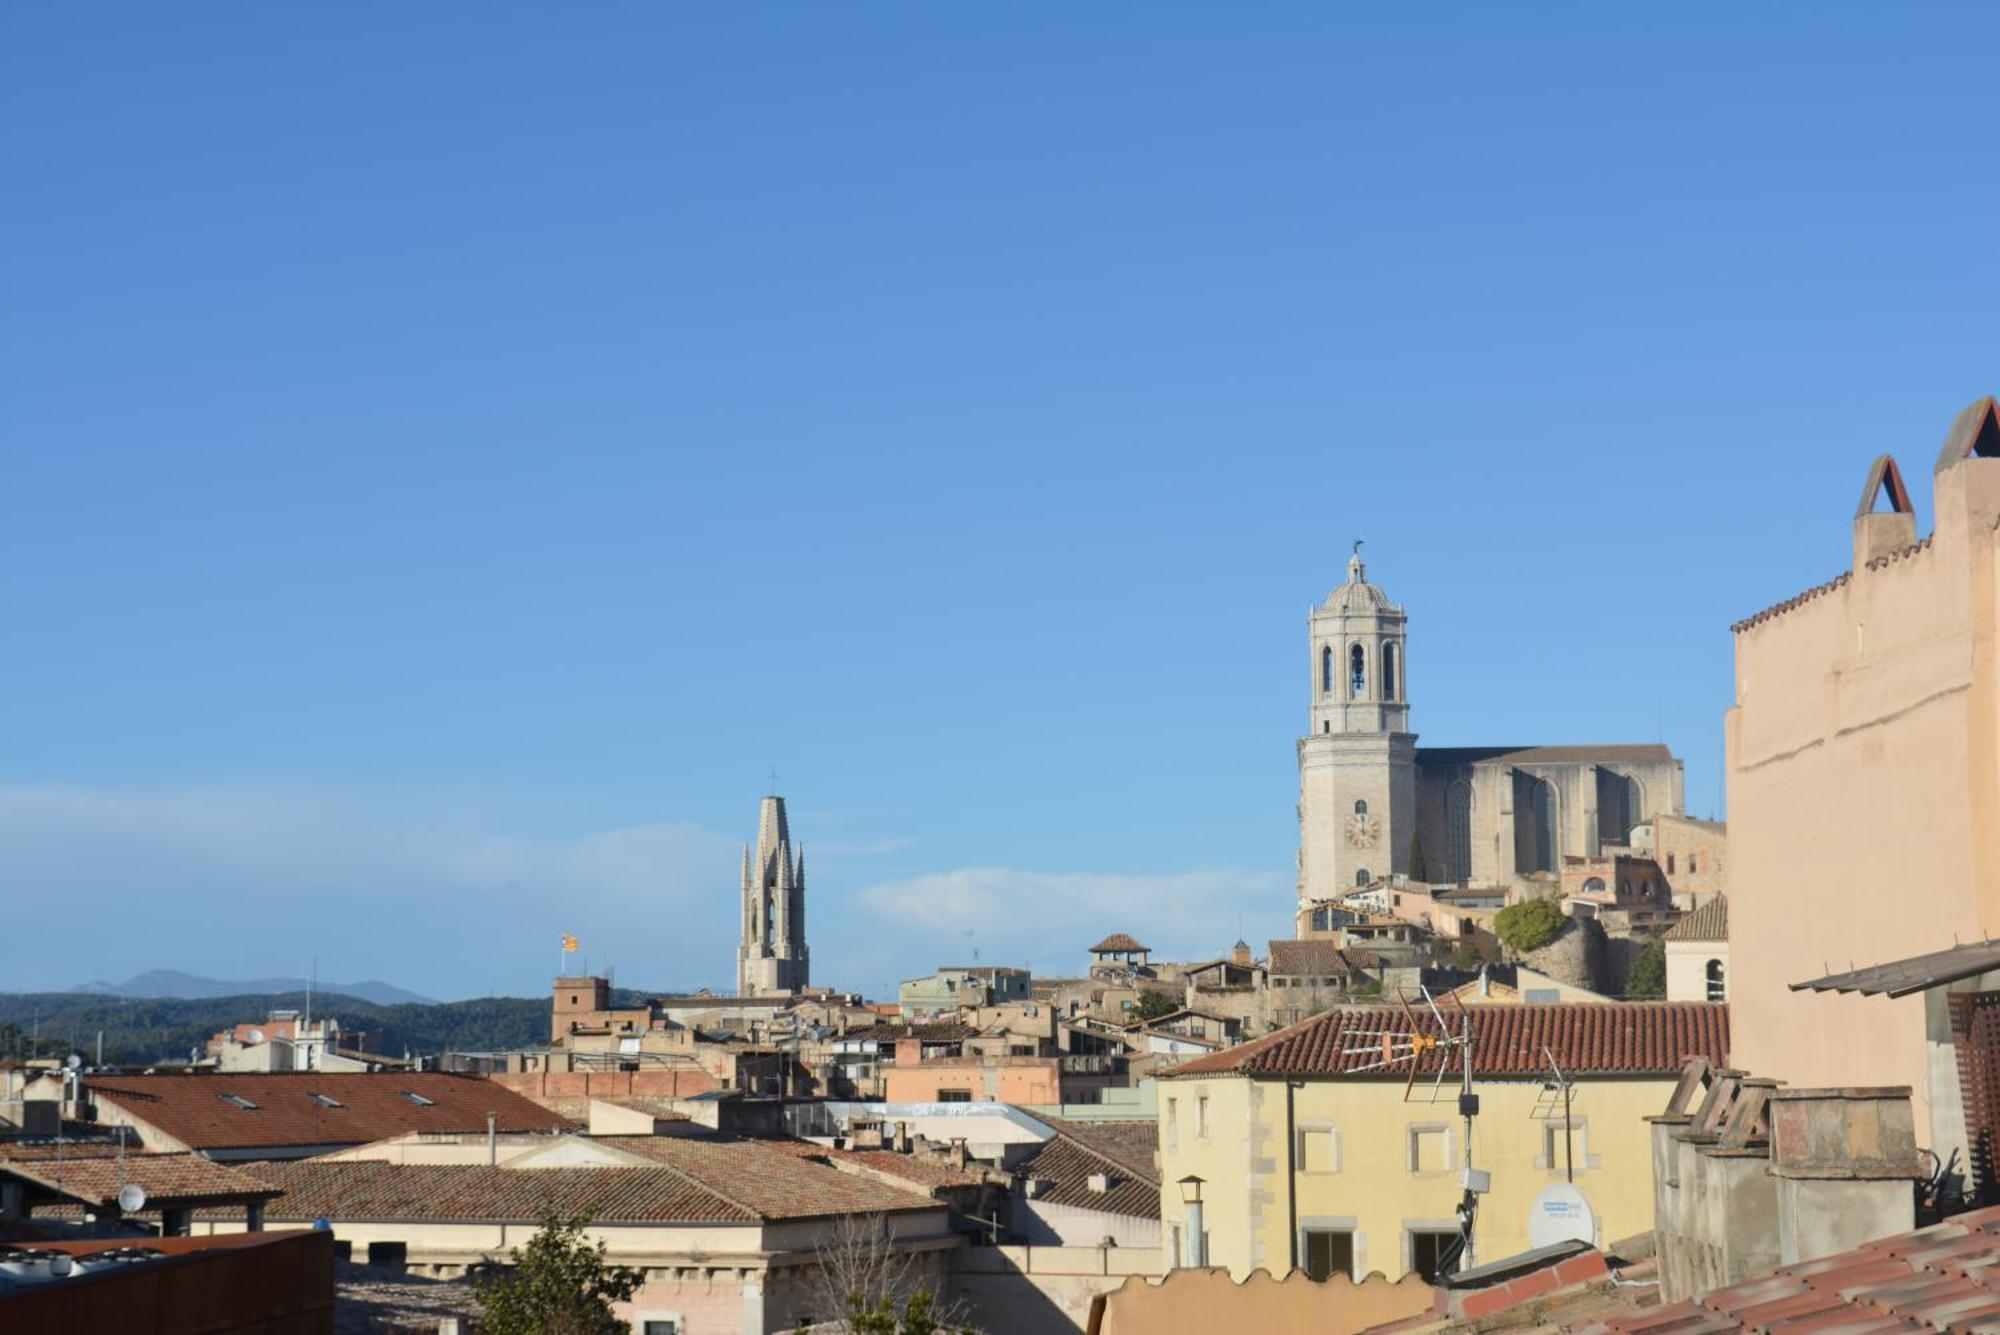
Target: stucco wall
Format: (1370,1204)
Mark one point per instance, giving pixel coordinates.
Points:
(1864,800)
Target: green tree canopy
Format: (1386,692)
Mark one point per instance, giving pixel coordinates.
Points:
(1648,978)
(1530,924)
(559,1284)
(1152,1005)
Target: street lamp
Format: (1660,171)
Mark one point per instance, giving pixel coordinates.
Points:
(1194,1248)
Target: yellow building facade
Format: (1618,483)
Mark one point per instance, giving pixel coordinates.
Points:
(1303,1162)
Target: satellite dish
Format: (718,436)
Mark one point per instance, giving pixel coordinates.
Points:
(254,1036)
(131,1198)
(61,1265)
(1561,1214)
(71,1062)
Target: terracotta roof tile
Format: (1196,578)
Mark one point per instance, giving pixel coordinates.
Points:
(921,1170)
(1797,600)
(94,1174)
(696,1181)
(310,1108)
(1065,1167)
(1119,941)
(1710,922)
(1587,1038)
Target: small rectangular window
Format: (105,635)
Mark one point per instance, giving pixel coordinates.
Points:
(1329,1252)
(656,1327)
(954,1096)
(1429,1149)
(1201,1117)
(1316,1151)
(393,1255)
(1433,1255)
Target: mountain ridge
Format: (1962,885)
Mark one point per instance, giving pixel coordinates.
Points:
(172,984)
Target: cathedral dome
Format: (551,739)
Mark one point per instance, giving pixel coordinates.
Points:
(1357,594)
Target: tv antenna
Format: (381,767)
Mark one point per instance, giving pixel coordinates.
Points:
(1429,1035)
(1555,1094)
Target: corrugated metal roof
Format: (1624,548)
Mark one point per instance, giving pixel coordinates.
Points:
(1921,973)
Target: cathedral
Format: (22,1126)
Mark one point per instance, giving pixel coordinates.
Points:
(773,957)
(1372,802)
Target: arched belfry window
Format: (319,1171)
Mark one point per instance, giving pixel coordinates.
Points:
(1360,808)
(1326,670)
(1357,671)
(1362,877)
(1389,684)
(1718,984)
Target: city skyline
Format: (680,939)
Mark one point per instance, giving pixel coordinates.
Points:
(435,513)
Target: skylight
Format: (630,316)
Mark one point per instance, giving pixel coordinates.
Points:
(326,1101)
(418,1099)
(237,1101)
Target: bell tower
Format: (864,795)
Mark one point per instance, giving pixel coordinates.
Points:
(1358,759)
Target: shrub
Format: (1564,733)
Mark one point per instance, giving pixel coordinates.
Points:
(1530,924)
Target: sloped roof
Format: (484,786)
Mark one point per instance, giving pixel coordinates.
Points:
(695,1181)
(1946,1276)
(1900,978)
(94,1174)
(1544,755)
(1710,922)
(304,1108)
(1119,941)
(1317,957)
(922,1171)
(1067,1163)
(1133,1144)
(1587,1038)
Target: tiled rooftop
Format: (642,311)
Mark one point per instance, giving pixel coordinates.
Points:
(697,1181)
(1587,1038)
(1710,922)
(308,1108)
(1943,1277)
(1119,941)
(94,1174)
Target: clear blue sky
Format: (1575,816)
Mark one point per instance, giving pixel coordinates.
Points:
(453,455)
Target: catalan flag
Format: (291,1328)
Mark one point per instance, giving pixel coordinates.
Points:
(569,944)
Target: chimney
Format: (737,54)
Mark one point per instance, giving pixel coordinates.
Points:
(958,1151)
(902,1138)
(1485,983)
(492,1138)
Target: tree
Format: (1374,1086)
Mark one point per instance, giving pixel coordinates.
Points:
(1418,872)
(873,1285)
(1152,1005)
(558,1284)
(1530,924)
(1648,977)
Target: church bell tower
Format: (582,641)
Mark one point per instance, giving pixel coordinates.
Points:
(1357,761)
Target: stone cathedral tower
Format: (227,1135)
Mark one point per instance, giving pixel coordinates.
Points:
(773,955)
(1357,763)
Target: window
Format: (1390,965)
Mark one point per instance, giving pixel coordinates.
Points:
(1319,1150)
(237,1101)
(1326,670)
(1458,830)
(1435,1254)
(1388,669)
(1430,1148)
(1594,886)
(1201,1117)
(1357,671)
(1693,866)
(343,1250)
(660,1326)
(1670,864)
(1718,986)
(954,1096)
(1362,877)
(326,1101)
(395,1255)
(1360,808)
(1173,1124)
(1564,1146)
(1535,845)
(1329,1252)
(419,1099)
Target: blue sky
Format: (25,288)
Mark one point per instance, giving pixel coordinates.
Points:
(453,457)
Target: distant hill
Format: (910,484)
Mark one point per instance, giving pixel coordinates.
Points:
(186,986)
(150,1029)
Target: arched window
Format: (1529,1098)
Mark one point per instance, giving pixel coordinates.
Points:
(1360,808)
(1594,886)
(1458,830)
(1693,866)
(1620,806)
(1326,670)
(1388,669)
(1535,847)
(1362,877)
(1718,987)
(1357,671)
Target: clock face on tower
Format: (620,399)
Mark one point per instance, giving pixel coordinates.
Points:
(1364,830)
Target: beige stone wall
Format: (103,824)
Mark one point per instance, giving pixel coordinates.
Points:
(1695,856)
(1864,799)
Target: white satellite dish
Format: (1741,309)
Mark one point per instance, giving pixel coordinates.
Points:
(1561,1214)
(71,1062)
(131,1198)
